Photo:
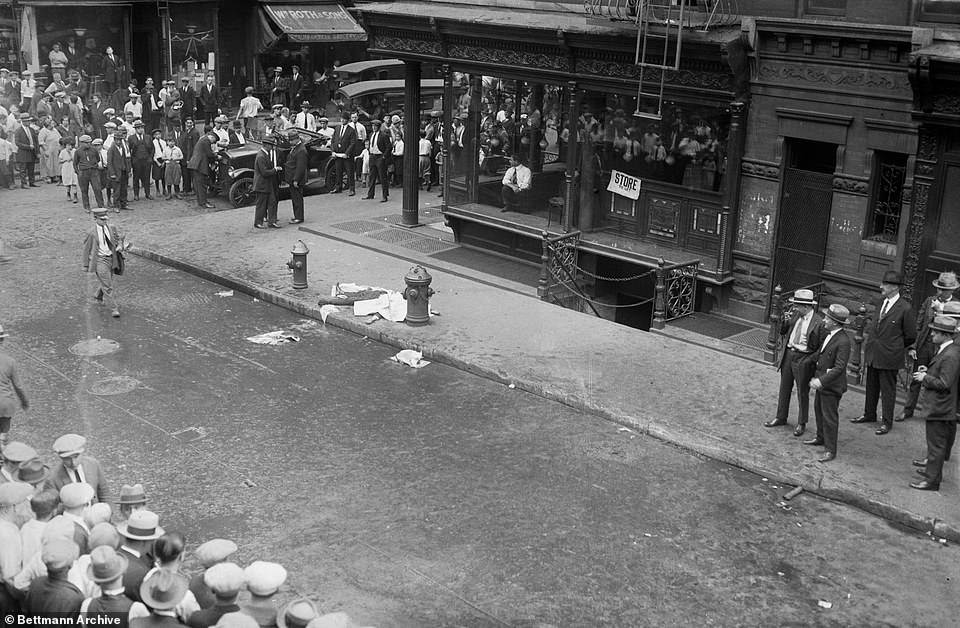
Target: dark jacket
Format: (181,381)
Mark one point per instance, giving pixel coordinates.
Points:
(831,367)
(815,334)
(51,594)
(889,337)
(188,142)
(938,401)
(344,141)
(92,472)
(264,173)
(203,156)
(209,99)
(383,142)
(117,165)
(210,616)
(295,168)
(111,69)
(296,90)
(141,147)
(86,158)
(137,569)
(188,95)
(924,318)
(25,152)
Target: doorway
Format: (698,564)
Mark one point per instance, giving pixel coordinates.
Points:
(145,57)
(804,217)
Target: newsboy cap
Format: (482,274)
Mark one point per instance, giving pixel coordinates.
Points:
(214,551)
(76,494)
(224,579)
(14,493)
(69,444)
(18,452)
(264,578)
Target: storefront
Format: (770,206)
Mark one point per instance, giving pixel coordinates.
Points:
(560,92)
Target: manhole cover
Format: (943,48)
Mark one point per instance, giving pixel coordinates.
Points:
(25,244)
(96,346)
(190,434)
(114,385)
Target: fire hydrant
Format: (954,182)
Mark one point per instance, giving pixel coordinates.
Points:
(299,265)
(417,293)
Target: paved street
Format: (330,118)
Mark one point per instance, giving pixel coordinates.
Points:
(423,497)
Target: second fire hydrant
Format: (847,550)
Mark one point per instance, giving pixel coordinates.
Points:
(299,265)
(417,293)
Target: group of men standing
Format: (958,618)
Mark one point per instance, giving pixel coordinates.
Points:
(816,353)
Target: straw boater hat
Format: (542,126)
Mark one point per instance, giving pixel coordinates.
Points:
(944,324)
(838,313)
(946,281)
(142,525)
(803,297)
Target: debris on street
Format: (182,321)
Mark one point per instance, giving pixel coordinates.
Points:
(274,338)
(325,311)
(825,604)
(410,358)
(225,293)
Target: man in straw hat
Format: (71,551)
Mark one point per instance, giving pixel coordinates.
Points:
(11,392)
(892,331)
(939,407)
(923,349)
(804,331)
(830,379)
(161,592)
(139,533)
(103,247)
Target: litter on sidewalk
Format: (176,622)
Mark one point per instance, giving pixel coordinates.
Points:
(410,358)
(274,338)
(225,293)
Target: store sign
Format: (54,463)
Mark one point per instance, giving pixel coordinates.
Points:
(331,23)
(624,185)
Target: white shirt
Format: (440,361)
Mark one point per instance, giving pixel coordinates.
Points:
(374,150)
(944,346)
(305,120)
(134,107)
(398,148)
(103,250)
(827,339)
(360,129)
(888,303)
(519,174)
(223,134)
(804,323)
(327,132)
(250,106)
(31,537)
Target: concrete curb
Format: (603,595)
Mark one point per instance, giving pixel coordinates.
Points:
(697,443)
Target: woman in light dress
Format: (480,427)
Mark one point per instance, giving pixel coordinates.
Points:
(68,174)
(49,139)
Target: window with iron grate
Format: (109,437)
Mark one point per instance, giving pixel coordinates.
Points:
(883,222)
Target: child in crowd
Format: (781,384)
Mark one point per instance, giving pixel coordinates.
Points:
(364,159)
(158,164)
(68,175)
(172,174)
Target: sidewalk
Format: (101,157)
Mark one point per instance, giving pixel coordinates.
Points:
(701,399)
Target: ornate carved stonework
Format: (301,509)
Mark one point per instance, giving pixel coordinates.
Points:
(946,103)
(850,185)
(918,219)
(834,77)
(508,57)
(405,44)
(927,146)
(760,170)
(686,78)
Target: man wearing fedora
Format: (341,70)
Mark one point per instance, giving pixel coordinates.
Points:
(28,147)
(921,352)
(278,88)
(106,570)
(804,331)
(139,532)
(132,497)
(884,353)
(830,379)
(266,184)
(11,392)
(13,455)
(161,593)
(76,467)
(939,406)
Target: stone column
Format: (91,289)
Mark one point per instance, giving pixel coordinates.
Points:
(731,187)
(928,153)
(410,214)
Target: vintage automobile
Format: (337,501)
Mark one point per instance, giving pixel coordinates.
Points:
(237,167)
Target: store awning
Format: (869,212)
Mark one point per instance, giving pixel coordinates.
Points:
(314,23)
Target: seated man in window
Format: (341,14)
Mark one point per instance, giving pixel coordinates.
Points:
(516,181)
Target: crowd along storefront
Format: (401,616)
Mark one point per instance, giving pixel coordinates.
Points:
(561,91)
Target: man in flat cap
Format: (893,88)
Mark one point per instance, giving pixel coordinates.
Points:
(225,580)
(923,348)
(14,510)
(209,554)
(101,254)
(75,498)
(11,392)
(892,332)
(75,466)
(264,580)
(939,399)
(86,161)
(295,173)
(53,593)
(14,454)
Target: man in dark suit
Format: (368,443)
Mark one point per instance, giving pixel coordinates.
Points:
(209,100)
(265,184)
(804,332)
(885,349)
(141,157)
(110,71)
(830,381)
(28,146)
(75,466)
(381,148)
(344,146)
(946,284)
(188,96)
(295,90)
(278,95)
(939,406)
(295,172)
(200,163)
(118,168)
(138,532)
(187,142)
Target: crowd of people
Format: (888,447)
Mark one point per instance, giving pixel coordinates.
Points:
(816,353)
(67,549)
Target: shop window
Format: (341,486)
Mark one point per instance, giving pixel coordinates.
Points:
(883,222)
(826,7)
(940,11)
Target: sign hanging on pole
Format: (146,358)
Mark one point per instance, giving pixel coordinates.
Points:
(624,185)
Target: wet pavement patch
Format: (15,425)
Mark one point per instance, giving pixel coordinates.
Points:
(114,385)
(95,346)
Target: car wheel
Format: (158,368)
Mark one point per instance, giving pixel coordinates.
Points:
(241,192)
(330,181)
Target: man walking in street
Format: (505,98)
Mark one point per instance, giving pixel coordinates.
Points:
(87,164)
(894,330)
(805,329)
(344,148)
(100,247)
(28,146)
(939,406)
(946,284)
(380,151)
(141,156)
(118,168)
(295,171)
(830,381)
(200,163)
(11,392)
(265,185)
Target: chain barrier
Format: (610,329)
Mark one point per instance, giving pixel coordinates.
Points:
(579,294)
